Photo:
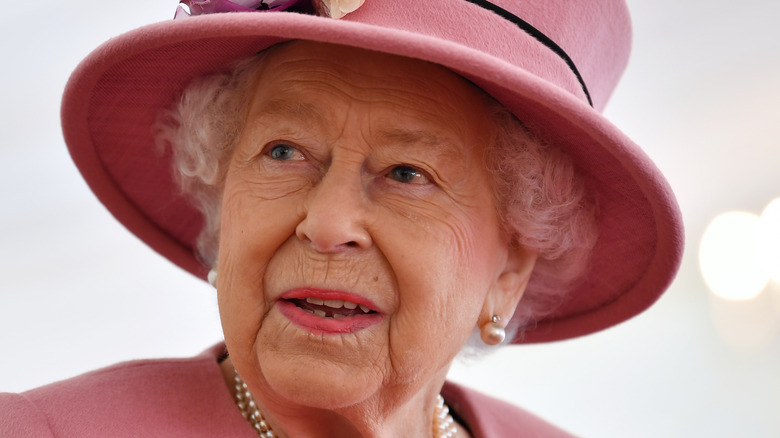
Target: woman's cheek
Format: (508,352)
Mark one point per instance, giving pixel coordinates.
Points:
(416,209)
(466,239)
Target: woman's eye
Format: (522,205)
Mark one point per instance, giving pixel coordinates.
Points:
(408,175)
(284,152)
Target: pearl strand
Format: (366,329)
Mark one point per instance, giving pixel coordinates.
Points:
(443,423)
(249,410)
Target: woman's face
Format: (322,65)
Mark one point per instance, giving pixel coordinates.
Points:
(357,191)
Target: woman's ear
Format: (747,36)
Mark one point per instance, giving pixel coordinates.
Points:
(510,285)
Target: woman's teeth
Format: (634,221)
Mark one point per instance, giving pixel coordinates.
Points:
(335,304)
(331,308)
(322,314)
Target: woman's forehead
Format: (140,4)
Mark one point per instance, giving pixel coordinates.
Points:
(364,71)
(320,84)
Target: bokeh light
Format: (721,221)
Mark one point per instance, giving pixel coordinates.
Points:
(728,256)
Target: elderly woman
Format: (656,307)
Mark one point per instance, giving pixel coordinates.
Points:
(371,187)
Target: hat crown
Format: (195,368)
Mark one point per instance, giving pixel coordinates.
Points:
(582,47)
(595,35)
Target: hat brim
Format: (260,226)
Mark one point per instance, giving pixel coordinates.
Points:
(114,96)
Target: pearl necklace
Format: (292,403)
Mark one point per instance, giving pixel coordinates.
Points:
(443,424)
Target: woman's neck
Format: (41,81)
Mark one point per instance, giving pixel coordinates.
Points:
(395,412)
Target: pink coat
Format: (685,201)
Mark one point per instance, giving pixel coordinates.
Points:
(187,398)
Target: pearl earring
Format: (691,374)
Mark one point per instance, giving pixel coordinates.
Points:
(212,277)
(492,332)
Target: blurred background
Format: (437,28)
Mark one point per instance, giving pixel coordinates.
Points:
(701,94)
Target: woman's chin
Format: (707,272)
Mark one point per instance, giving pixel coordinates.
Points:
(314,383)
(317,369)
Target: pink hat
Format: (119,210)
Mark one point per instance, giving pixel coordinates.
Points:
(553,63)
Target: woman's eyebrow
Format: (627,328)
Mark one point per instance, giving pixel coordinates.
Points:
(424,140)
(414,137)
(309,114)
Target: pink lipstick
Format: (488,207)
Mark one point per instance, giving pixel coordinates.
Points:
(323,311)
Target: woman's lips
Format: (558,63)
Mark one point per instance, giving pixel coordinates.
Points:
(328,311)
(330,308)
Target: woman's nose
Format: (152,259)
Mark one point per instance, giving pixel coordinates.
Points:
(335,214)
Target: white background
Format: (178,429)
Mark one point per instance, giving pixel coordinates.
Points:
(702,95)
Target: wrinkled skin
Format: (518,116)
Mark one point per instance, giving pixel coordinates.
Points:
(360,172)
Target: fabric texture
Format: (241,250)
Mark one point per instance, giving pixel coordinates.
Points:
(187,398)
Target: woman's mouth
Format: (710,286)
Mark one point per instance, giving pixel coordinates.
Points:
(327,311)
(331,308)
